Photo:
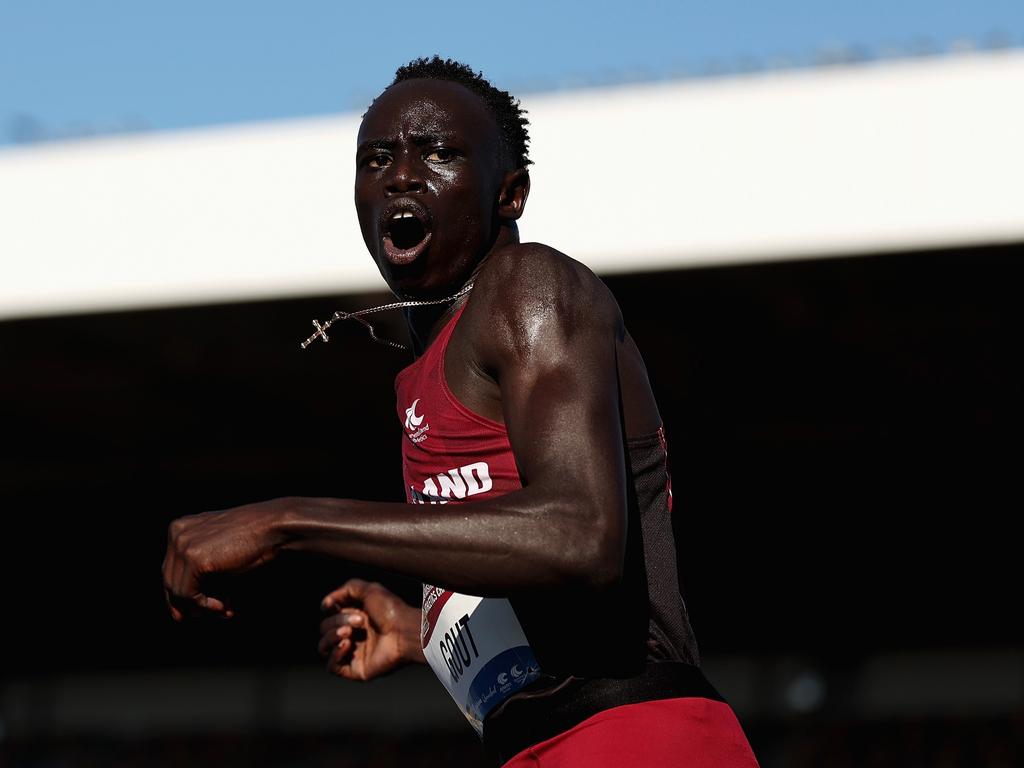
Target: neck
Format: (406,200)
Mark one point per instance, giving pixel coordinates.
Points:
(426,322)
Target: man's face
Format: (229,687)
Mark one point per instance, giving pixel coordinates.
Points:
(428,176)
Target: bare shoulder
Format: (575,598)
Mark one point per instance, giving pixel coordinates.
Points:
(530,293)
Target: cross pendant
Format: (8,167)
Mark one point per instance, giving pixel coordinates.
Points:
(321,332)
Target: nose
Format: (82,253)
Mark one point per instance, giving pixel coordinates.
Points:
(404,177)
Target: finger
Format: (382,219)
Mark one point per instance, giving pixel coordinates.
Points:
(349,617)
(178,575)
(352,591)
(344,647)
(175,613)
(173,560)
(331,623)
(340,659)
(169,567)
(186,588)
(181,592)
(331,640)
(197,605)
(326,644)
(210,604)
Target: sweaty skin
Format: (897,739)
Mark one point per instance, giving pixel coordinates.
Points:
(541,347)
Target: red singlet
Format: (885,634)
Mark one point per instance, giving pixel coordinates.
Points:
(477,647)
(449,453)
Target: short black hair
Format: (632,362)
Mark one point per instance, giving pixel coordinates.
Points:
(509,115)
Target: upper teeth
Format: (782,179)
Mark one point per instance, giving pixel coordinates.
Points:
(402,215)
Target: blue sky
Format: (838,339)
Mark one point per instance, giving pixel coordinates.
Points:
(69,67)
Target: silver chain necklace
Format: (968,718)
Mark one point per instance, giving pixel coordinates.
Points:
(321,328)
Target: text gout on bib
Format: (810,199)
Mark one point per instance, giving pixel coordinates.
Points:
(477,649)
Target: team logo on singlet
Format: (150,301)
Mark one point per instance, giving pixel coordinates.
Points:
(411,419)
(415,423)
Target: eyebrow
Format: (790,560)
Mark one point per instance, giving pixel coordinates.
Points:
(375,144)
(429,138)
(419,139)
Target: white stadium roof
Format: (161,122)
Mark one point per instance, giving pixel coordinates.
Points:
(858,159)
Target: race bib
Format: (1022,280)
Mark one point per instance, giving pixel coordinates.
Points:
(477,649)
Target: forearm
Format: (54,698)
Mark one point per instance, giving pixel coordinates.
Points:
(519,541)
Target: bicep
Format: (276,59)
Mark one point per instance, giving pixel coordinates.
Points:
(560,400)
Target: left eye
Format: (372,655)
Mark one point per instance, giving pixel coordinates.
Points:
(440,155)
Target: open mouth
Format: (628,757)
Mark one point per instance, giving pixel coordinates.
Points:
(405,237)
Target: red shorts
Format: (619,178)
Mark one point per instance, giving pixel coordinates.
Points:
(667,733)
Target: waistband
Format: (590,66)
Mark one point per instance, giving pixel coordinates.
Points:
(530,719)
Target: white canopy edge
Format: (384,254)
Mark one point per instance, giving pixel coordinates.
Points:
(838,161)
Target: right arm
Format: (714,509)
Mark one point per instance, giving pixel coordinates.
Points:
(549,349)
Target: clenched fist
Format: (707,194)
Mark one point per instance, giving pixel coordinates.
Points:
(230,541)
